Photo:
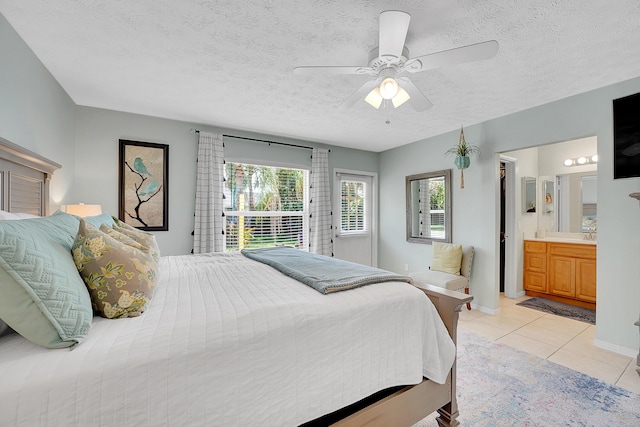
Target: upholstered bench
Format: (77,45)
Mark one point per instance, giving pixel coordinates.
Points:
(448,259)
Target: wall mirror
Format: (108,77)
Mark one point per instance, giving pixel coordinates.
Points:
(429,207)
(528,194)
(577,202)
(549,196)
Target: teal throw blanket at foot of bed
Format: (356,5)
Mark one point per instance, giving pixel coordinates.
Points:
(322,273)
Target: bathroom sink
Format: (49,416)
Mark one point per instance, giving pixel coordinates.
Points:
(568,240)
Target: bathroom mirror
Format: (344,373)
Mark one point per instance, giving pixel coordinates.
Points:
(589,220)
(577,202)
(528,194)
(549,196)
(429,207)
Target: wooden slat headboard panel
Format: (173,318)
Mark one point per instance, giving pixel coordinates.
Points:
(24,179)
(26,195)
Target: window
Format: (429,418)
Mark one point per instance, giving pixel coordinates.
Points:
(353,206)
(265,206)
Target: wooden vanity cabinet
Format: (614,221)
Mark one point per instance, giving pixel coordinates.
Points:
(572,269)
(569,272)
(535,266)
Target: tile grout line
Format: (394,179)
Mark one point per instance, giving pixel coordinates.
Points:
(624,370)
(572,338)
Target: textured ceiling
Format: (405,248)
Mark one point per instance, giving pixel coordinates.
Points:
(229,63)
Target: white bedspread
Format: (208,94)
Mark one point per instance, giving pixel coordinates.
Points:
(228,341)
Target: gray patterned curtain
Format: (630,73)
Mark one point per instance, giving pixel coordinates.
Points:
(320,241)
(208,235)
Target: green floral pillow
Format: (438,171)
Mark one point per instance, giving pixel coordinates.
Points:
(121,279)
(123,238)
(145,239)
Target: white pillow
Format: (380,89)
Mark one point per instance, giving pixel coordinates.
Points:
(7,215)
(11,216)
(25,215)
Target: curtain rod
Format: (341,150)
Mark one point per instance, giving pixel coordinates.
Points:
(262,140)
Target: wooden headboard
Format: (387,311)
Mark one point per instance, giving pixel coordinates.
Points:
(24,180)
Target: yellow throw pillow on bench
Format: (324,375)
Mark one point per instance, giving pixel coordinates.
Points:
(447,258)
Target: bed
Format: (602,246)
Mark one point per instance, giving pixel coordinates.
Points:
(230,341)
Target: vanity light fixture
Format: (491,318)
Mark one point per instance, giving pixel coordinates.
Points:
(581,161)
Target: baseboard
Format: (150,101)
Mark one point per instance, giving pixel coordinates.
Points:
(485,310)
(518,294)
(625,351)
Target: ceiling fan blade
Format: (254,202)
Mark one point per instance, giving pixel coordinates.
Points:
(359,94)
(328,70)
(418,101)
(459,55)
(394,25)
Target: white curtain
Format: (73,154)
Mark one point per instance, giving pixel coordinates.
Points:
(208,233)
(425,209)
(320,241)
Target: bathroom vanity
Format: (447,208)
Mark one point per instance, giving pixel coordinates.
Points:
(561,269)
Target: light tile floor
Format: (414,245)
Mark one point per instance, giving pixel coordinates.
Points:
(564,341)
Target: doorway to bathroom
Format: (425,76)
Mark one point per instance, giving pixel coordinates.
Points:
(507,232)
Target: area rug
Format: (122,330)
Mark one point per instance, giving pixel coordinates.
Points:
(560,309)
(501,386)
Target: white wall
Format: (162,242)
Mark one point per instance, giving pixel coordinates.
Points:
(35,112)
(96,181)
(97,143)
(476,208)
(526,166)
(552,156)
(549,160)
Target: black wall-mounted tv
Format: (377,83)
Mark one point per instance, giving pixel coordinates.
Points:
(626,137)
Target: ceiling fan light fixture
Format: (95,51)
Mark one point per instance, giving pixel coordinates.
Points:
(374,98)
(390,59)
(401,97)
(388,88)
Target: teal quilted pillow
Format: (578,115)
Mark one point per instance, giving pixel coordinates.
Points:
(42,296)
(96,221)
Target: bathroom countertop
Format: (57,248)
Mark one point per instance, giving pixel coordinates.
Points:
(563,240)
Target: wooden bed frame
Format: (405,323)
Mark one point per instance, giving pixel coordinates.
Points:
(24,187)
(24,179)
(405,406)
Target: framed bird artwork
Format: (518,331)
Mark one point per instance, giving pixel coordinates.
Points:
(144,179)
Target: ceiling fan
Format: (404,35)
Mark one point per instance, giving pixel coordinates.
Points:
(390,61)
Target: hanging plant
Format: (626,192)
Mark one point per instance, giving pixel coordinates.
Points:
(463,151)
